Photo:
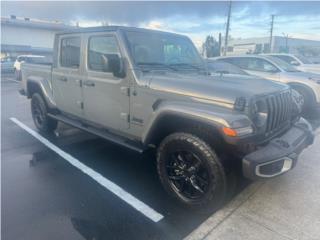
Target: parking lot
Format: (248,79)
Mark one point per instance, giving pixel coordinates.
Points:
(45,197)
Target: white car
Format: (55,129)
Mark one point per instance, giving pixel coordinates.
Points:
(7,64)
(307,84)
(25,58)
(299,61)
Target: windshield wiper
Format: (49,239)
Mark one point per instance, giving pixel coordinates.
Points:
(156,64)
(293,71)
(187,65)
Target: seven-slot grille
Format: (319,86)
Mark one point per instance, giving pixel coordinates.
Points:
(279,111)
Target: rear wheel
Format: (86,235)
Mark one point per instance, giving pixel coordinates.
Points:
(190,171)
(40,117)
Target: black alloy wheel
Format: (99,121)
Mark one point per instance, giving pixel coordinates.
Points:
(40,117)
(188,176)
(190,171)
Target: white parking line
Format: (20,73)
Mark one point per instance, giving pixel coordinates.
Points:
(121,193)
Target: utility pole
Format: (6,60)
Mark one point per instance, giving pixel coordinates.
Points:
(286,37)
(220,43)
(227,31)
(271,32)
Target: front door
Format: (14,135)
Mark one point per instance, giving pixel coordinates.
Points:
(105,97)
(66,76)
(262,68)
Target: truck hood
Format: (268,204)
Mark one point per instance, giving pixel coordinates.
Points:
(301,76)
(224,89)
(312,68)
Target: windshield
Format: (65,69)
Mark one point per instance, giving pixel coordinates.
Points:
(161,50)
(283,65)
(303,59)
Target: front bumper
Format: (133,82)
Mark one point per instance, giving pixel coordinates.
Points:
(280,154)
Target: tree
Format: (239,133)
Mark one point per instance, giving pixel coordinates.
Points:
(210,48)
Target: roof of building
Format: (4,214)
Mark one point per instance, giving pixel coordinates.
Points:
(262,40)
(34,23)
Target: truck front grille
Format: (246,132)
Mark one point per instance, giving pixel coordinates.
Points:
(279,109)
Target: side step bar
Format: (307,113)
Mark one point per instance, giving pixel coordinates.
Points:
(103,133)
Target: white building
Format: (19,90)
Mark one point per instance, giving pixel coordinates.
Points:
(28,36)
(279,44)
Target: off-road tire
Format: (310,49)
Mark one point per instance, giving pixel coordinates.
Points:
(215,194)
(47,124)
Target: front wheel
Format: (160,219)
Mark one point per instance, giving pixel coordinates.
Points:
(308,102)
(190,171)
(39,111)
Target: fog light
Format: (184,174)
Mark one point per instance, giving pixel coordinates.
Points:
(274,168)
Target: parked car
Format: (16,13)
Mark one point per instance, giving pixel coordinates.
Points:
(7,65)
(148,89)
(307,84)
(299,61)
(29,59)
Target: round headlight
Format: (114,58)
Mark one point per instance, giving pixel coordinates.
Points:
(260,113)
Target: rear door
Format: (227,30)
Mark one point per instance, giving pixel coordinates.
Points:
(67,75)
(105,97)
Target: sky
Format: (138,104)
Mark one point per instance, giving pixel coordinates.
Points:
(299,19)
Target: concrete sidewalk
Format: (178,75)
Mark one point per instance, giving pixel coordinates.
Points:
(286,207)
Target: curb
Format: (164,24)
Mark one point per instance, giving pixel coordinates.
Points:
(218,217)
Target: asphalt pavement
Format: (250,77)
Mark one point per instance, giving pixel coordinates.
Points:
(45,197)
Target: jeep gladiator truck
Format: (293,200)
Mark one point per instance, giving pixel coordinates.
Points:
(150,89)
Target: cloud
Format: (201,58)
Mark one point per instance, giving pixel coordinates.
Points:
(195,19)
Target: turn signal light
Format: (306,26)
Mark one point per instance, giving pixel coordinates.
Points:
(229,132)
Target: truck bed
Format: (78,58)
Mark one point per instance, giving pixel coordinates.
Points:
(41,72)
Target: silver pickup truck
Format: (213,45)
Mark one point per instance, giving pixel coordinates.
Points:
(147,89)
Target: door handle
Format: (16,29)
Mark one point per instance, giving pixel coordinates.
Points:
(63,79)
(89,83)
(79,82)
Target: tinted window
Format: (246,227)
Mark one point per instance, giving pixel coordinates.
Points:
(161,49)
(240,62)
(70,52)
(303,59)
(101,48)
(282,64)
(257,64)
(285,58)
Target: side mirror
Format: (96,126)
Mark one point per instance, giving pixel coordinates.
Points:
(294,63)
(113,63)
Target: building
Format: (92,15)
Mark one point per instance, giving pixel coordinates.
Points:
(28,36)
(309,48)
